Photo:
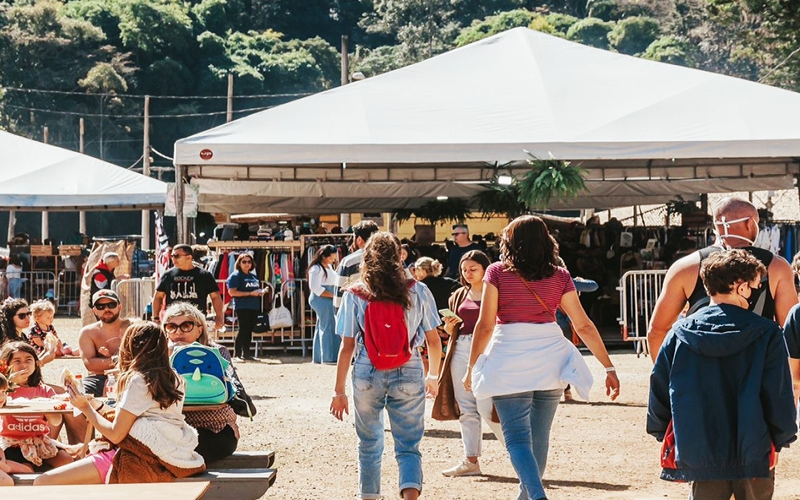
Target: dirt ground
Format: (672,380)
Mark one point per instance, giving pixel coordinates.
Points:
(598,450)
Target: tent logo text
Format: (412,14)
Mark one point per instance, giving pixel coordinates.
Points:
(206,154)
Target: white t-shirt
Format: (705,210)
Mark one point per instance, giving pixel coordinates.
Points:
(317,279)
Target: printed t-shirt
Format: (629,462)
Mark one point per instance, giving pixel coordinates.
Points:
(516,303)
(19,427)
(193,286)
(245,283)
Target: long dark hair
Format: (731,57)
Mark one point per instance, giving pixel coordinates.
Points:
(8,351)
(476,256)
(322,253)
(144,350)
(527,248)
(8,330)
(383,272)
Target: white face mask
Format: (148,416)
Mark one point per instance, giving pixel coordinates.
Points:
(726,224)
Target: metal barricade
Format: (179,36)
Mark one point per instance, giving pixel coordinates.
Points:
(33,286)
(638,292)
(69,291)
(135,294)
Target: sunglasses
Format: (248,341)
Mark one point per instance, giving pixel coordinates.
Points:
(456,234)
(185,327)
(23,315)
(247,262)
(105,305)
(178,255)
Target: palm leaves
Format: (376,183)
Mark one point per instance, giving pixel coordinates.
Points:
(550,178)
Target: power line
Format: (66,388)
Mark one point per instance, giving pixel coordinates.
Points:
(192,97)
(106,115)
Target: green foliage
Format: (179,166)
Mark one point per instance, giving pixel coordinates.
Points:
(103,78)
(166,77)
(103,14)
(500,200)
(670,49)
(550,178)
(591,31)
(377,61)
(435,211)
(219,16)
(633,35)
(561,22)
(155,29)
(492,25)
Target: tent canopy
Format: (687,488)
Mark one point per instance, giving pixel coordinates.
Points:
(438,127)
(35,176)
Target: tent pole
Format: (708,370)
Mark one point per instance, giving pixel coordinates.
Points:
(45,213)
(145,242)
(82,213)
(181,220)
(12,220)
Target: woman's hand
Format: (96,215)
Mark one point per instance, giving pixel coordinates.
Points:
(612,385)
(431,386)
(78,400)
(450,324)
(467,380)
(339,406)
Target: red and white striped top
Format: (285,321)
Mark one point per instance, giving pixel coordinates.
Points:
(516,304)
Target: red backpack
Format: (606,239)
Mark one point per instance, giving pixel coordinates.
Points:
(385,331)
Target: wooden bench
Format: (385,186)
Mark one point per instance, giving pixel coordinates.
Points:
(245,460)
(241,484)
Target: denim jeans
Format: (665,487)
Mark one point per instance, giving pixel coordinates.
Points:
(526,418)
(401,391)
(326,342)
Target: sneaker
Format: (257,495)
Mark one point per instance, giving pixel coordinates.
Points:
(465,468)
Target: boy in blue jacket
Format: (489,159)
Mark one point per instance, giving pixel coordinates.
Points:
(722,377)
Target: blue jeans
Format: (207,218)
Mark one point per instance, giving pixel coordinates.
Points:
(326,342)
(526,419)
(401,391)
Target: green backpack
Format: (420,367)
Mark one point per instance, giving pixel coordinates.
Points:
(204,370)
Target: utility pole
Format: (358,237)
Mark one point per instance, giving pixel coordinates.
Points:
(146,172)
(45,213)
(82,145)
(344,219)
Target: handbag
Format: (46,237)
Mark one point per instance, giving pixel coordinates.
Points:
(241,403)
(262,323)
(576,340)
(280,316)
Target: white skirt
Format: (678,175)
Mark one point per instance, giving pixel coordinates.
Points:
(523,357)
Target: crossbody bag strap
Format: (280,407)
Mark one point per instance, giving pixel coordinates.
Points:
(528,286)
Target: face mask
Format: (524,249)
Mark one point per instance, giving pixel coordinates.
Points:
(755,294)
(726,224)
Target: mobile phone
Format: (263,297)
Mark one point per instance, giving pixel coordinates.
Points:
(447,313)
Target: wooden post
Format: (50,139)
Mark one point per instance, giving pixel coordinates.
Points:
(82,144)
(344,219)
(229,116)
(146,172)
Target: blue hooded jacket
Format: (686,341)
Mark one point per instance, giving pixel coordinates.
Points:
(722,376)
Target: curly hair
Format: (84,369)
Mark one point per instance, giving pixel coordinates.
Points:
(722,271)
(8,330)
(527,248)
(382,271)
(144,351)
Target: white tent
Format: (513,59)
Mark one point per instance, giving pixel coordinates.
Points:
(35,176)
(645,131)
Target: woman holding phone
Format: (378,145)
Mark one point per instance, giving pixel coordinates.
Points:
(452,400)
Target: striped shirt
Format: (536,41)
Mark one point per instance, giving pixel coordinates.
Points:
(516,304)
(347,274)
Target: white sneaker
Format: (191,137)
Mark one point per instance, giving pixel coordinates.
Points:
(465,468)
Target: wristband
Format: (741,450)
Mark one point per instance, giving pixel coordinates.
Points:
(432,377)
(338,395)
(610,369)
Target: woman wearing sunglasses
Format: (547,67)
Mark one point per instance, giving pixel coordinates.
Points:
(15,318)
(217,431)
(245,288)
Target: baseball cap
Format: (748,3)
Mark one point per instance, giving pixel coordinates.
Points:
(105,294)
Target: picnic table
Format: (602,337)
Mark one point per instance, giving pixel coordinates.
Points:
(151,491)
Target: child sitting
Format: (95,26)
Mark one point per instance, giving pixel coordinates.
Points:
(29,442)
(47,349)
(153,442)
(8,466)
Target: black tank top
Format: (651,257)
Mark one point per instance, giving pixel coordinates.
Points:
(764,306)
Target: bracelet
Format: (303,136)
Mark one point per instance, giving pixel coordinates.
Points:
(338,395)
(432,377)
(610,369)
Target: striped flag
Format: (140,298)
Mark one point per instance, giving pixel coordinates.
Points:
(162,248)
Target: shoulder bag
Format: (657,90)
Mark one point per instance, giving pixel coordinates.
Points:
(576,340)
(280,316)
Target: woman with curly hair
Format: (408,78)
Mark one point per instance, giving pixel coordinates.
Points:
(15,317)
(519,356)
(401,391)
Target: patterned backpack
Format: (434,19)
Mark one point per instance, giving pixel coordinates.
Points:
(204,370)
